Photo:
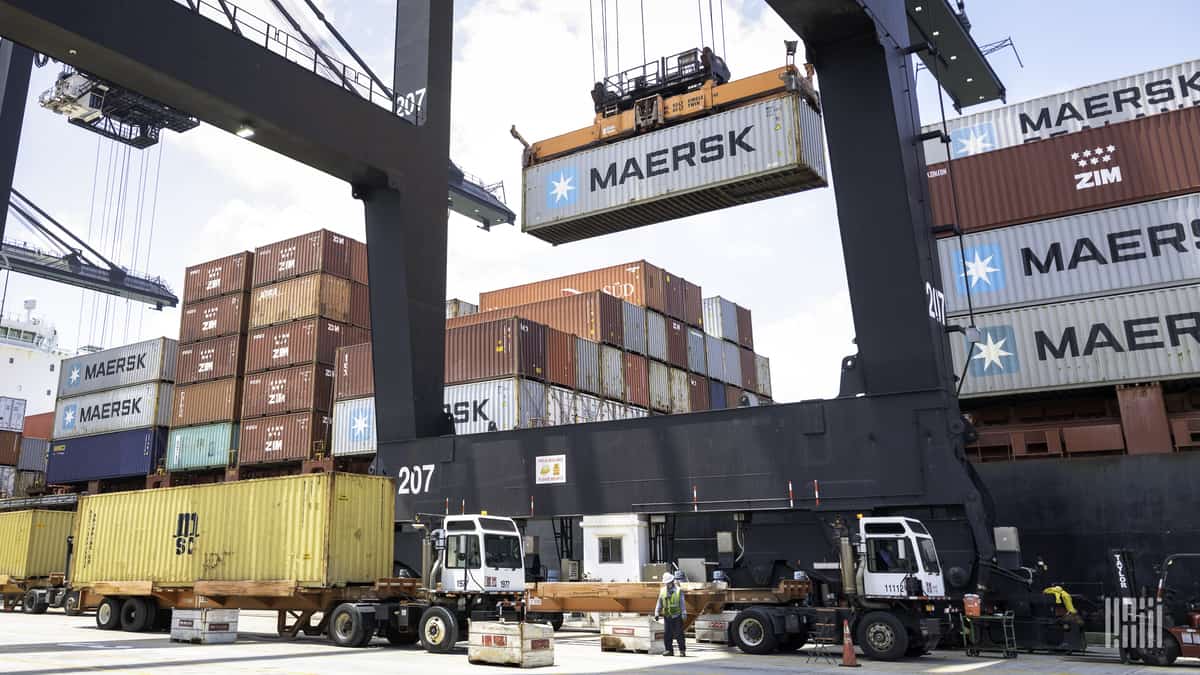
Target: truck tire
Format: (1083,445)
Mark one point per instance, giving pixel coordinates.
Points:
(71,604)
(347,628)
(35,603)
(137,614)
(439,630)
(882,636)
(108,614)
(1165,655)
(753,632)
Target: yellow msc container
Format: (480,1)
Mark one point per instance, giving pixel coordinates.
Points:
(33,543)
(316,530)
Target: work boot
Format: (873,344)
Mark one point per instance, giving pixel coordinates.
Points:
(668,653)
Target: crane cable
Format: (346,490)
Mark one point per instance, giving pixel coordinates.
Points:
(604,33)
(724,53)
(592,32)
(91,214)
(642,4)
(700,15)
(153,220)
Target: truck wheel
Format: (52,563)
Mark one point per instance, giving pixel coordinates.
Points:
(882,636)
(347,627)
(752,632)
(439,630)
(71,604)
(108,614)
(137,614)
(35,603)
(1163,656)
(401,638)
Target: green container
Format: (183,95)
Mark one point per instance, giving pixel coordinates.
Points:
(202,447)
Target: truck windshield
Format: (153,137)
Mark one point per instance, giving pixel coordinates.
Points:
(929,555)
(502,551)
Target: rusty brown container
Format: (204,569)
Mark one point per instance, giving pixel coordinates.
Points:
(745,328)
(223,276)
(594,316)
(283,438)
(359,271)
(320,251)
(733,396)
(207,402)
(496,349)
(677,343)
(637,380)
(693,305)
(214,318)
(638,283)
(353,374)
(560,358)
(360,306)
(297,389)
(1093,169)
(10,448)
(675,294)
(210,359)
(322,295)
(297,342)
(698,393)
(749,369)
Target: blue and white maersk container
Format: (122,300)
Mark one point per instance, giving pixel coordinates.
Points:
(354,430)
(104,456)
(207,446)
(500,405)
(149,361)
(141,405)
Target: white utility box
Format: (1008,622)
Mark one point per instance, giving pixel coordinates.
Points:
(638,634)
(528,645)
(204,626)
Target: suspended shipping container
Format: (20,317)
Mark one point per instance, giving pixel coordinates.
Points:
(149,361)
(560,358)
(587,366)
(681,391)
(612,373)
(297,389)
(656,336)
(1094,169)
(637,380)
(496,405)
(560,406)
(696,361)
(660,387)
(298,342)
(283,438)
(226,315)
(210,360)
(635,327)
(595,316)
(33,454)
(316,295)
(35,543)
(697,393)
(141,405)
(1126,98)
(693,304)
(353,372)
(1115,250)
(762,375)
(677,343)
(207,402)
(1137,337)
(223,276)
(714,357)
(10,448)
(320,251)
(638,283)
(720,318)
(12,413)
(732,356)
(338,531)
(104,456)
(501,348)
(354,427)
(202,447)
(767,148)
(456,307)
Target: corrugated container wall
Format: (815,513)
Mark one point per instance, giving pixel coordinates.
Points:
(353,372)
(1122,249)
(745,327)
(693,304)
(748,369)
(149,361)
(674,290)
(660,387)
(716,395)
(302,388)
(10,448)
(732,356)
(233,531)
(1118,100)
(560,358)
(588,409)
(8,481)
(223,276)
(115,455)
(788,155)
(33,454)
(202,447)
(677,343)
(635,327)
(35,543)
(714,352)
(637,380)
(762,373)
(508,403)
(656,336)
(681,391)
(612,373)
(207,402)
(360,306)
(587,366)
(1094,169)
(27,481)
(697,393)
(560,406)
(210,360)
(696,358)
(354,427)
(321,295)
(720,318)
(141,405)
(638,283)
(320,251)
(283,438)
(485,351)
(12,413)
(733,396)
(297,342)
(595,316)
(1138,337)
(40,425)
(214,318)
(456,307)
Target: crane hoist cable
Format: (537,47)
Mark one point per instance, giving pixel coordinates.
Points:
(153,214)
(592,33)
(700,15)
(642,7)
(724,53)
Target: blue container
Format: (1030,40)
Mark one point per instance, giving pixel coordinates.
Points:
(116,455)
(716,395)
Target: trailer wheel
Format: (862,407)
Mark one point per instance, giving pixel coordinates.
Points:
(108,614)
(35,603)
(753,633)
(1165,655)
(439,630)
(882,636)
(347,627)
(71,604)
(137,614)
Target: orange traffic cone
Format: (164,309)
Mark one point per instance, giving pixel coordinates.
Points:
(849,658)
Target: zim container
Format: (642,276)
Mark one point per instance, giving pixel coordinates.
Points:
(141,405)
(298,342)
(338,531)
(316,295)
(587,366)
(35,543)
(149,361)
(115,455)
(283,438)
(207,402)
(226,315)
(496,405)
(677,343)
(360,306)
(638,283)
(637,380)
(320,251)
(297,389)
(354,427)
(492,349)
(210,360)
(353,373)
(223,276)
(560,358)
(766,148)
(202,447)
(595,316)
(720,318)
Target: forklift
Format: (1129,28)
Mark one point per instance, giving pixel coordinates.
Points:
(1171,615)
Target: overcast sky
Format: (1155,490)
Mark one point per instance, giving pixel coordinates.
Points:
(529,62)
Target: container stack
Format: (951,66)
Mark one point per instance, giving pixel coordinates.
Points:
(1081,221)
(111,417)
(309,298)
(30,479)
(12,421)
(208,376)
(354,438)
(738,377)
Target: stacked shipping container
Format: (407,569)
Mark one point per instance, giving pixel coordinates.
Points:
(12,421)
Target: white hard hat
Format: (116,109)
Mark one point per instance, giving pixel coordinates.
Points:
(668,577)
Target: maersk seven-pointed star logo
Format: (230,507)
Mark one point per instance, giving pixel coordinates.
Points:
(73,377)
(995,353)
(973,140)
(361,425)
(70,414)
(562,189)
(982,272)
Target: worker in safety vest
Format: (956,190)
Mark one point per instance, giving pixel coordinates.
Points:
(671,610)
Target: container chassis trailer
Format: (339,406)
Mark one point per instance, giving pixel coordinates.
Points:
(36,595)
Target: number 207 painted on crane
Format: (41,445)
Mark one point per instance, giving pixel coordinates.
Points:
(937,303)
(414,480)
